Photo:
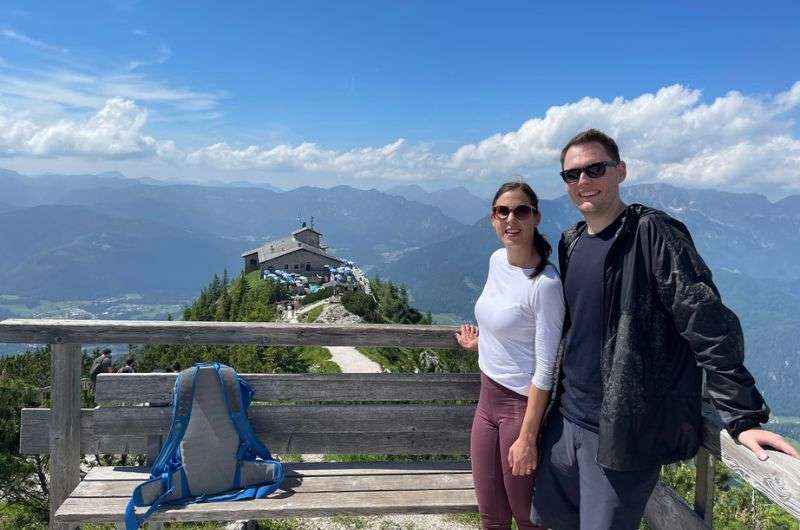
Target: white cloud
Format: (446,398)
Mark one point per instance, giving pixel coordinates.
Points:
(115,131)
(12,34)
(670,135)
(739,141)
(396,160)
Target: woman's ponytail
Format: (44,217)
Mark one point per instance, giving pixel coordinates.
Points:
(543,248)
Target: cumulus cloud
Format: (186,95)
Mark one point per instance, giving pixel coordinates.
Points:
(115,131)
(671,135)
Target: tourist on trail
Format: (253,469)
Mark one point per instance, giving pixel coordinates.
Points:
(128,368)
(520,314)
(102,364)
(644,319)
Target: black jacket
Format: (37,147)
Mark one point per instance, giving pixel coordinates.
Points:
(664,322)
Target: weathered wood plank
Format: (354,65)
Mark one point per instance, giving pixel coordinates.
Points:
(666,510)
(778,477)
(312,469)
(341,483)
(284,505)
(185,332)
(141,388)
(296,419)
(35,434)
(704,485)
(436,440)
(64,433)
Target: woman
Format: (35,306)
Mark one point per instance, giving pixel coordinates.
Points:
(520,314)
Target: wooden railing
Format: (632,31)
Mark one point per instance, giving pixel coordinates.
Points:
(778,477)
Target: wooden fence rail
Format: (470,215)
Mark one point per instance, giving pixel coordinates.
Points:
(778,477)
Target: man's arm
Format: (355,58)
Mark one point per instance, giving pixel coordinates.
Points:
(714,334)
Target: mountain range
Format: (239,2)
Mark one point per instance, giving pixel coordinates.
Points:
(88,236)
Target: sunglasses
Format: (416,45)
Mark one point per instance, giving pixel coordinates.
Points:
(521,212)
(596,170)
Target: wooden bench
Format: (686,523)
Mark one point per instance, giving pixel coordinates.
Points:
(304,413)
(342,413)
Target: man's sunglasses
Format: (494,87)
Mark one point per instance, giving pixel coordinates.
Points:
(521,212)
(596,170)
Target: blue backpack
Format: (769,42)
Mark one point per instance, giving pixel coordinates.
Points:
(211,452)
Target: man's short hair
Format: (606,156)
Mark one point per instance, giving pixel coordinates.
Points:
(593,135)
(106,351)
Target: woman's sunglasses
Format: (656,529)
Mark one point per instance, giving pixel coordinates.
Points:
(596,170)
(521,212)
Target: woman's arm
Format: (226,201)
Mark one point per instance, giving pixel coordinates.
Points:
(548,309)
(523,455)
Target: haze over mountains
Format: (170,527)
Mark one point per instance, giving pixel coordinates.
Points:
(90,236)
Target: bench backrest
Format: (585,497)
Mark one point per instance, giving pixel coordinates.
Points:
(293,413)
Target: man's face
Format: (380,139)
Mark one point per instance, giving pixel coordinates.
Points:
(593,196)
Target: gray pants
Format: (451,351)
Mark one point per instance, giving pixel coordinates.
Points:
(573,491)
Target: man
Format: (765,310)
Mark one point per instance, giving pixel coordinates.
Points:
(643,321)
(128,368)
(102,364)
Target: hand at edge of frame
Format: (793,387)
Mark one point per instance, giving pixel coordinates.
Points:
(757,439)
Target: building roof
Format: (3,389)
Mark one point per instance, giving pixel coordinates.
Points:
(300,246)
(280,247)
(304,228)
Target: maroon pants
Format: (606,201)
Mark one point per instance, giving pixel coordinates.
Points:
(498,419)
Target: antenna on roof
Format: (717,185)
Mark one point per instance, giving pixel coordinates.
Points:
(312,222)
(299,218)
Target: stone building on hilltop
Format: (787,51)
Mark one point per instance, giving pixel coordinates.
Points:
(301,252)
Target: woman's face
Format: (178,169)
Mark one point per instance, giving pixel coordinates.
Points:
(511,231)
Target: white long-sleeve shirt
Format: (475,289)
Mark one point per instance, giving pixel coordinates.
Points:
(519,321)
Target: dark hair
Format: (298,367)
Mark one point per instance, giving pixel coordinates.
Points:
(593,135)
(541,245)
(129,361)
(106,351)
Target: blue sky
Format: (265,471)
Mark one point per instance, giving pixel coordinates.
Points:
(384,93)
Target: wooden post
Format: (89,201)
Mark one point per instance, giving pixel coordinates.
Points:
(65,424)
(704,485)
(704,480)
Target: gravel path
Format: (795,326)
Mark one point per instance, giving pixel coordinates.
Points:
(352,361)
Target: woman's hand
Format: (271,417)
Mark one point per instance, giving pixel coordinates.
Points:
(467,337)
(523,457)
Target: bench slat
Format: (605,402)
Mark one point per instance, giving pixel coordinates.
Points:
(411,440)
(341,483)
(77,510)
(305,387)
(292,505)
(276,419)
(35,433)
(311,469)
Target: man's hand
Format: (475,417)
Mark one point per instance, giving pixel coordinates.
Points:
(467,337)
(757,439)
(523,457)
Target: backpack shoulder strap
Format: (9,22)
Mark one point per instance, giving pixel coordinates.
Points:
(259,477)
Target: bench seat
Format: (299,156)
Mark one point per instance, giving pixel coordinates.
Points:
(310,490)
